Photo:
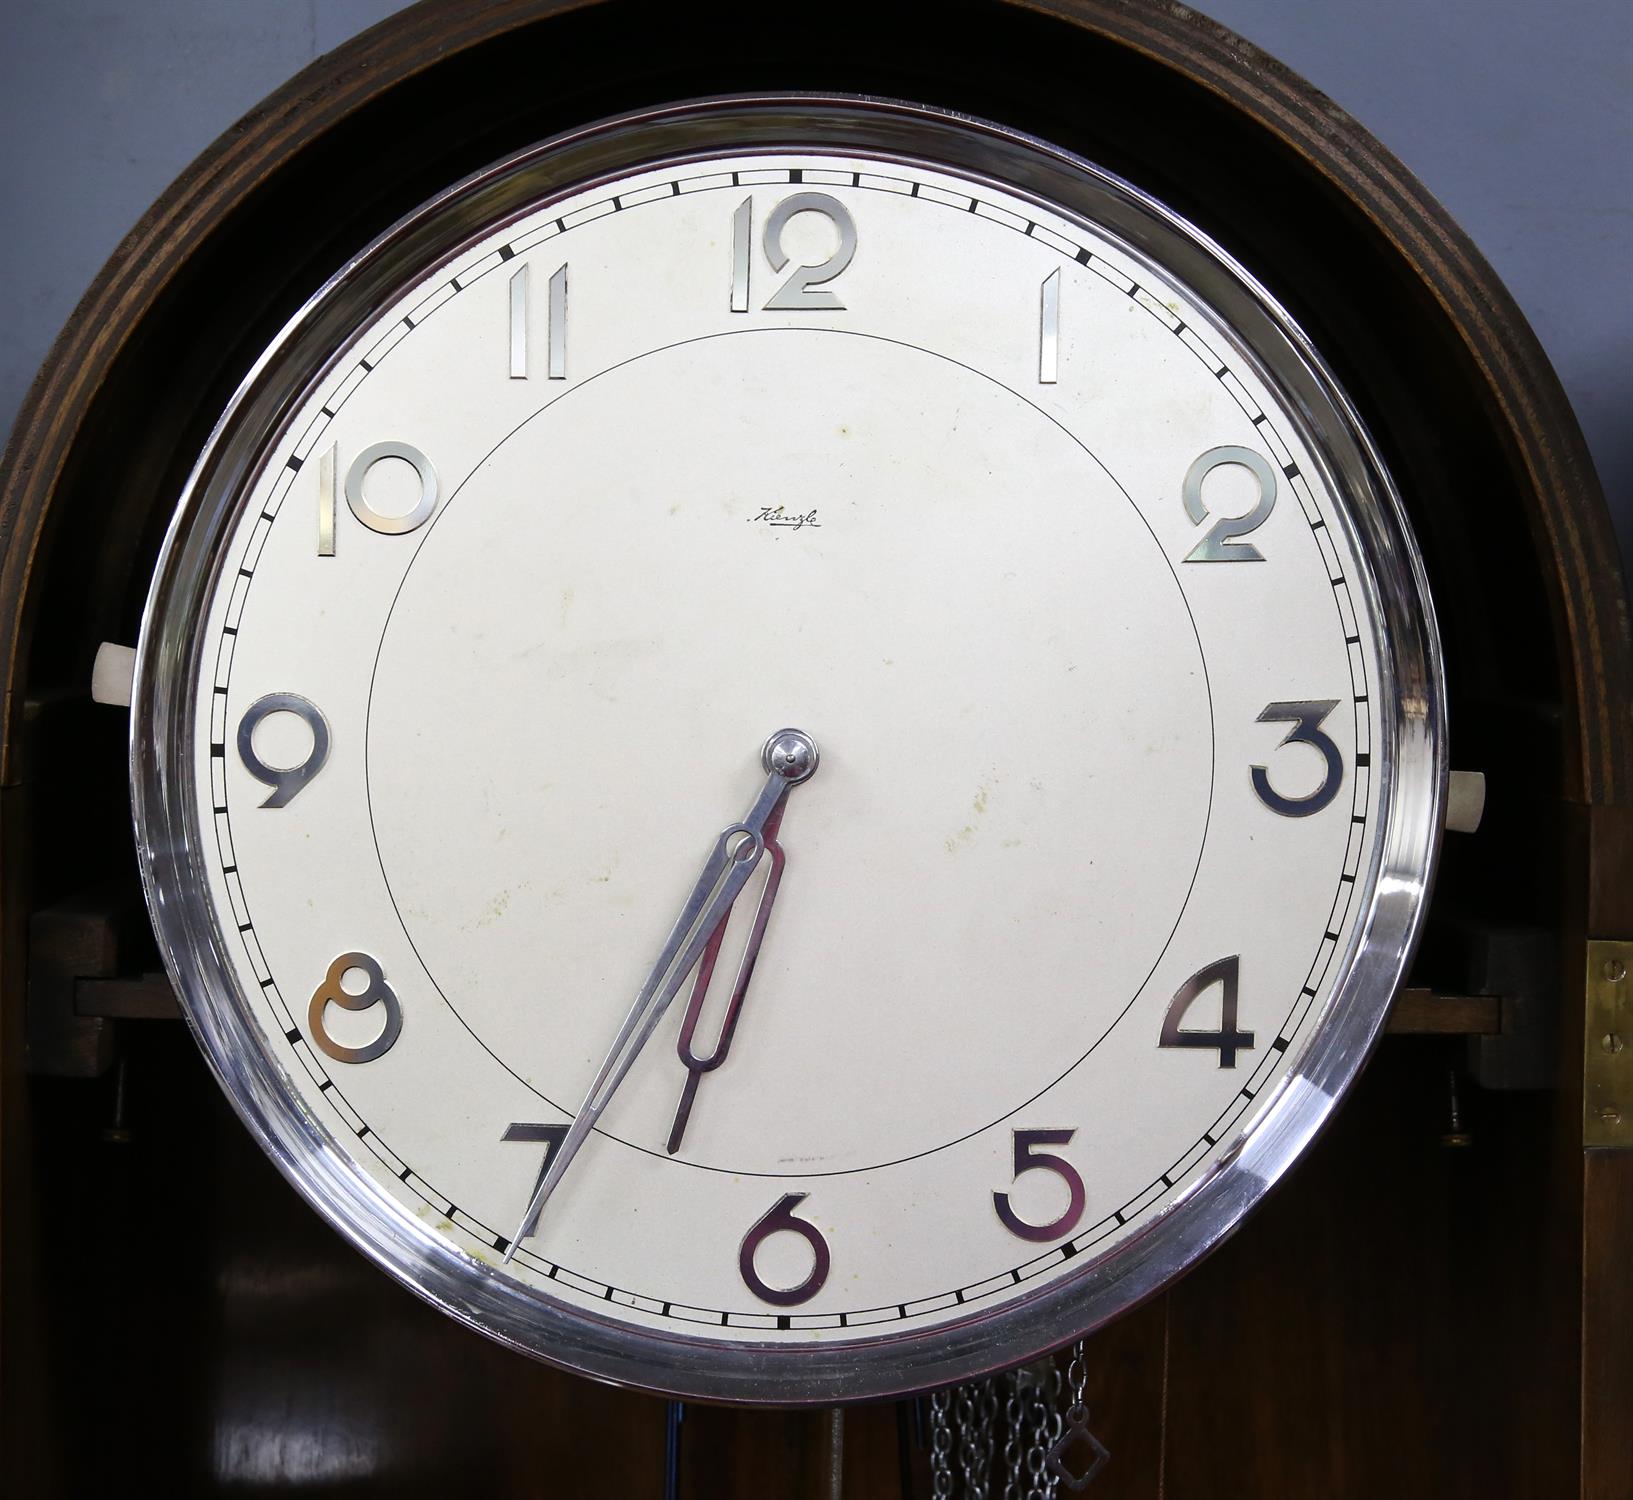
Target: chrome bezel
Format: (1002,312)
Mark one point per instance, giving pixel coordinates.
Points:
(1412,773)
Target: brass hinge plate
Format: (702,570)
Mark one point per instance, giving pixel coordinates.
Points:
(1607,1068)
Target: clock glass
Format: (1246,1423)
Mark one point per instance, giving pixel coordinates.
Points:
(849,653)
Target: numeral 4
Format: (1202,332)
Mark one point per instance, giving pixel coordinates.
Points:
(1226,973)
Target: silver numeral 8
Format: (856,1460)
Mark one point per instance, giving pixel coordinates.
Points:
(376,992)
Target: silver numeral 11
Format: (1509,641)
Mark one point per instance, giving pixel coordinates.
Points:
(555,327)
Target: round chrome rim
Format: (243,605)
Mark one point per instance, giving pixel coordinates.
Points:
(1411,707)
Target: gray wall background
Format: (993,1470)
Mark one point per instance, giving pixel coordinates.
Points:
(1518,115)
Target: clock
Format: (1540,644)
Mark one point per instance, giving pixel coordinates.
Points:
(1000,483)
(787,746)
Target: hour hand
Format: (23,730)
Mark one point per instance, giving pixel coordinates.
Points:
(789,757)
(697,1066)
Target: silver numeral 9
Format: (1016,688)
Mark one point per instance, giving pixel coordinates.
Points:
(286,781)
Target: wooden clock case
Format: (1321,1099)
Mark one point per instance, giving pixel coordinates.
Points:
(1440,1301)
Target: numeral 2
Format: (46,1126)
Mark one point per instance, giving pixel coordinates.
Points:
(1223,542)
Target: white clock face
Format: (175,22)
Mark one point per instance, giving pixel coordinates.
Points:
(989,506)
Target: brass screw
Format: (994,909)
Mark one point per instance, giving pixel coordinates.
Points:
(1614,970)
(1610,1116)
(1611,1043)
(1454,1136)
(117,1132)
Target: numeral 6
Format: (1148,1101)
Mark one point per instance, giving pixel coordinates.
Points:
(782,1218)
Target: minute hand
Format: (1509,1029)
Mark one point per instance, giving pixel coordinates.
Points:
(790,757)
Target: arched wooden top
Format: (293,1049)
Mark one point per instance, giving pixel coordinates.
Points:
(1528,408)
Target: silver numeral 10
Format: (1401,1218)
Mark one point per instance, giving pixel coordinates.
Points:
(357,498)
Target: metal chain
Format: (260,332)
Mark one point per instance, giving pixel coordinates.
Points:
(941,1447)
(1034,1408)
(968,1448)
(986,1418)
(1045,1428)
(1077,1376)
(1014,1417)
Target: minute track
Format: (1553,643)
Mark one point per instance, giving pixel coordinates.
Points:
(578,1270)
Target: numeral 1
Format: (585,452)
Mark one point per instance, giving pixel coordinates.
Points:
(1049,329)
(742,225)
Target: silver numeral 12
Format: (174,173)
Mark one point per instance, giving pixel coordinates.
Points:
(801,291)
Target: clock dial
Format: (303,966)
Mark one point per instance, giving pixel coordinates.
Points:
(1061,549)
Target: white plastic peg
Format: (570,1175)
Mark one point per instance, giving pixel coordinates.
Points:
(113,674)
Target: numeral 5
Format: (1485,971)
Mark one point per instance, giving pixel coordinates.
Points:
(1029,1159)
